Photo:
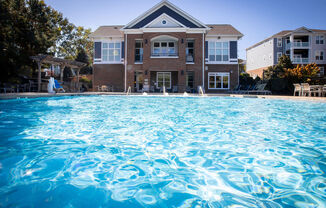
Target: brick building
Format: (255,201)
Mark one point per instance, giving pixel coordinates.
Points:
(165,46)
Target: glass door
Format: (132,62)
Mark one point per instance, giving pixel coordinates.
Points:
(139,80)
(163,79)
(190,81)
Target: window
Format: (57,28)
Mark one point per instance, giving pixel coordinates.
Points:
(190,80)
(218,80)
(320,39)
(111,52)
(218,51)
(190,51)
(164,49)
(139,51)
(279,42)
(163,22)
(319,55)
(322,71)
(163,79)
(279,54)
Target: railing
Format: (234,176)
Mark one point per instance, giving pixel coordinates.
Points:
(190,58)
(164,54)
(300,60)
(297,45)
(129,90)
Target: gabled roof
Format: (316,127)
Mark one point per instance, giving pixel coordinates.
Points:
(169,9)
(285,33)
(223,29)
(103,31)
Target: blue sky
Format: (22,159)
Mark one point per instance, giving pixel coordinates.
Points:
(256,19)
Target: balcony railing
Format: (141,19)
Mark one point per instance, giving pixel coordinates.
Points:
(300,60)
(297,45)
(164,54)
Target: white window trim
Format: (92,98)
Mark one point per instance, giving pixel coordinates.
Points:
(277,55)
(164,79)
(222,74)
(319,38)
(141,49)
(279,42)
(318,53)
(114,61)
(222,48)
(167,42)
(322,69)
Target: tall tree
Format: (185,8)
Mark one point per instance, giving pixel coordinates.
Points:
(27,28)
(30,27)
(72,40)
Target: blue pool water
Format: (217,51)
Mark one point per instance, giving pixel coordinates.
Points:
(118,151)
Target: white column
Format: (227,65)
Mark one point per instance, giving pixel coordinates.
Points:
(126,62)
(291,47)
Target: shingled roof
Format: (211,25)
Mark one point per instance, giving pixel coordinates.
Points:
(223,29)
(111,30)
(216,29)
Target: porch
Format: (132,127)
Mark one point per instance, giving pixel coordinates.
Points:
(173,81)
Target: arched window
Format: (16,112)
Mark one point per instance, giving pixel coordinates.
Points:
(164,46)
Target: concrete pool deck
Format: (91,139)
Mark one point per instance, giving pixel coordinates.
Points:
(4,96)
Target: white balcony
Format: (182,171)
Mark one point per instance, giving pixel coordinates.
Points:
(297,45)
(300,60)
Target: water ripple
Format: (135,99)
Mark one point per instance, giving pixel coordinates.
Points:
(108,151)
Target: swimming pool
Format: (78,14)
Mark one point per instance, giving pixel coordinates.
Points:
(135,151)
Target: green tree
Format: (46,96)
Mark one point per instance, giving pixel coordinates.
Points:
(72,40)
(30,27)
(82,56)
(27,28)
(278,70)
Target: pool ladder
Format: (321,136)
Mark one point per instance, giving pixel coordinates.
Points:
(164,92)
(129,90)
(200,91)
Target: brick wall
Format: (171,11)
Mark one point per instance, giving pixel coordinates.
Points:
(230,68)
(113,74)
(108,74)
(257,72)
(175,65)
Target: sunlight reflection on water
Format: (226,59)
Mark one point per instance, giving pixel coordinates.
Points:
(162,152)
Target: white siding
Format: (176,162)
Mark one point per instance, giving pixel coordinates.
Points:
(260,56)
(317,47)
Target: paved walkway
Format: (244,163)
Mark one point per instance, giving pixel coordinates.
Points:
(36,94)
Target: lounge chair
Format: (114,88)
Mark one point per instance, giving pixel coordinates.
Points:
(247,89)
(152,88)
(104,88)
(175,89)
(145,88)
(236,89)
(32,86)
(7,88)
(58,86)
(260,89)
(297,89)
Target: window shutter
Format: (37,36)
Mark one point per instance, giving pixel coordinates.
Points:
(122,49)
(97,50)
(233,50)
(206,49)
